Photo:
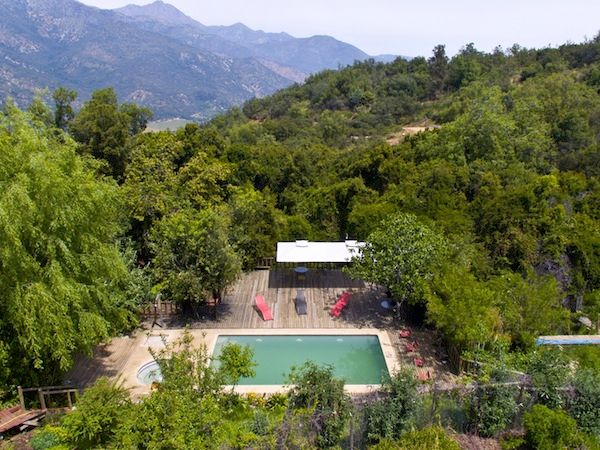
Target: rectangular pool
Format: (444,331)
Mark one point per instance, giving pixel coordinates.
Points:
(356,359)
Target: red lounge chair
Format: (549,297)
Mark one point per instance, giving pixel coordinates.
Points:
(342,302)
(424,375)
(410,347)
(405,334)
(261,305)
(419,362)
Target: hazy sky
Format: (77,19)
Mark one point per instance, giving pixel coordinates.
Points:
(402,27)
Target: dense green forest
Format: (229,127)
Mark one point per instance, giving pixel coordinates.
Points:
(498,195)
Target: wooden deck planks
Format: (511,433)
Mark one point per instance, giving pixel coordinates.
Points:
(279,287)
(107,360)
(16,417)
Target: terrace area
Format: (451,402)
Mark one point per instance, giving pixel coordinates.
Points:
(279,288)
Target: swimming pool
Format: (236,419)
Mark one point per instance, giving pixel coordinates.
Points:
(356,359)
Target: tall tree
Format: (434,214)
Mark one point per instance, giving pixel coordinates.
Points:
(39,110)
(255,227)
(138,117)
(193,255)
(102,130)
(61,272)
(464,309)
(184,412)
(400,255)
(438,70)
(63,111)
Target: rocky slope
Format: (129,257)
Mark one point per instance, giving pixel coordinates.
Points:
(51,43)
(302,55)
(152,55)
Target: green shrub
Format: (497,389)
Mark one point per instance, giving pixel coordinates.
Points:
(385,444)
(277,400)
(98,414)
(430,438)
(493,406)
(549,371)
(446,409)
(260,423)
(547,429)
(318,391)
(585,407)
(48,437)
(389,418)
(511,442)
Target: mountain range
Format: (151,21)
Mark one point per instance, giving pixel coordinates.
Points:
(153,55)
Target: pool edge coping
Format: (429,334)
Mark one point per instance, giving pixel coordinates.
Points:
(387,349)
(208,338)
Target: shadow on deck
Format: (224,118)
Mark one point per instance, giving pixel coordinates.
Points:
(279,288)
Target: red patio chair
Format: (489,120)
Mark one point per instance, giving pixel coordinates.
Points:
(336,310)
(419,362)
(423,375)
(405,334)
(261,305)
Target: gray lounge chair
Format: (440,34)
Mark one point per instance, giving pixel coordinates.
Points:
(300,302)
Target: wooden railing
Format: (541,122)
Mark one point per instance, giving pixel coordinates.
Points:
(162,308)
(265,263)
(46,392)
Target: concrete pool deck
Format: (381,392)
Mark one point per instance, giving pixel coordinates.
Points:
(140,353)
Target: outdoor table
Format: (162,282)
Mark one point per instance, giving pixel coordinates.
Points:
(301,272)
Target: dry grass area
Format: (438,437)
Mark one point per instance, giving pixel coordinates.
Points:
(410,130)
(472,442)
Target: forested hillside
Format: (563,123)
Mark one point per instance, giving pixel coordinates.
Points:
(485,165)
(507,171)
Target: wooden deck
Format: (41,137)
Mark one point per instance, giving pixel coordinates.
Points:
(279,287)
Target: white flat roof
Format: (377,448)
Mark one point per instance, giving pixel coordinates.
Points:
(305,251)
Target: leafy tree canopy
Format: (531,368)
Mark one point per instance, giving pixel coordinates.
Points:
(61,271)
(400,255)
(193,256)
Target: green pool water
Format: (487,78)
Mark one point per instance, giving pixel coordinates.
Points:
(356,359)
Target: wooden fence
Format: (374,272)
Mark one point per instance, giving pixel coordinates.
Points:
(160,309)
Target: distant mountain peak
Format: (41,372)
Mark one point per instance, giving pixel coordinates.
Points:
(240,25)
(153,54)
(158,11)
(281,52)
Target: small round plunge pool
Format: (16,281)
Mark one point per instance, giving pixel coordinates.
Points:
(149,373)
